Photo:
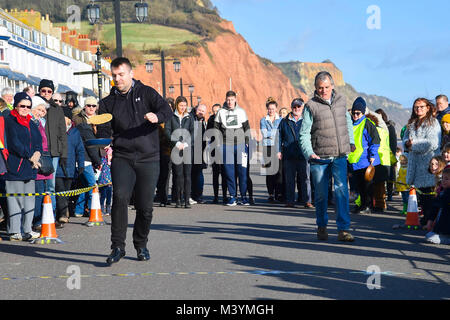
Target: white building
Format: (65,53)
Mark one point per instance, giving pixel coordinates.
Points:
(28,55)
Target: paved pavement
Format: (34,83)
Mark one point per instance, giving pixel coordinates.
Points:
(217,252)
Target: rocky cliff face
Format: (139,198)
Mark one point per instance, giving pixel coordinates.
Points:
(302,74)
(227,63)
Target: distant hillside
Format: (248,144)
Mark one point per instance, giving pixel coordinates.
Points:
(302,76)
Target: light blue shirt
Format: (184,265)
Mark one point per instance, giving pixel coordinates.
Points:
(269,130)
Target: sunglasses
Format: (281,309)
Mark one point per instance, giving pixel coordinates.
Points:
(356,113)
(23,106)
(91,105)
(46,91)
(56,100)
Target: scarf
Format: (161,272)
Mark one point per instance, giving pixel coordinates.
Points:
(24,121)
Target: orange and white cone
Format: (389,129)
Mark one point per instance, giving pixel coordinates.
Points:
(412,215)
(96,217)
(48,230)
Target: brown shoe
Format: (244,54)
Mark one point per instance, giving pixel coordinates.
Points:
(309,205)
(322,233)
(345,236)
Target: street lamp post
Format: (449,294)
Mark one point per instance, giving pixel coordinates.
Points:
(176,67)
(93,13)
(172,88)
(97,71)
(191,91)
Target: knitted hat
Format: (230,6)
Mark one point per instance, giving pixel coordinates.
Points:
(445,118)
(21,96)
(359,105)
(45,83)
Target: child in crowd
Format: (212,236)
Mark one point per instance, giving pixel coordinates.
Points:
(400,184)
(436,166)
(441,213)
(445,123)
(446,153)
(105,178)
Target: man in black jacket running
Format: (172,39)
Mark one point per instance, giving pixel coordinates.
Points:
(137,110)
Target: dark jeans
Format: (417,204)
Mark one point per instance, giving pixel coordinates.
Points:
(234,168)
(105,195)
(291,168)
(182,178)
(63,203)
(127,176)
(198,181)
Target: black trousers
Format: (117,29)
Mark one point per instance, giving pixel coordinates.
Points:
(162,187)
(127,176)
(63,203)
(425,201)
(217,170)
(182,177)
(364,188)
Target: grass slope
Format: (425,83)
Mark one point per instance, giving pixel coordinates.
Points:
(137,34)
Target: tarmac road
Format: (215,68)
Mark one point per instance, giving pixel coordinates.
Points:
(214,252)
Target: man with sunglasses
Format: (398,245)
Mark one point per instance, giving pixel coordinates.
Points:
(55,129)
(326,138)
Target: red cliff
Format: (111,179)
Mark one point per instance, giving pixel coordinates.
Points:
(227,63)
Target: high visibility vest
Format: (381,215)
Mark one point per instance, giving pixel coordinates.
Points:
(357,134)
(384,151)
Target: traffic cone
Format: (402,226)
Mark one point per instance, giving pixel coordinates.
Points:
(48,230)
(412,215)
(96,218)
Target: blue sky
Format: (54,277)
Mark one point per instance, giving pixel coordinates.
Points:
(408,57)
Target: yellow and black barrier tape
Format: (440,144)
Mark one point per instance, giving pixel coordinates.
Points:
(69,193)
(417,189)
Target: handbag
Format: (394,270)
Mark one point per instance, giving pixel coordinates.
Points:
(46,162)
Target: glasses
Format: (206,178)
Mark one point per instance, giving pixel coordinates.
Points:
(356,113)
(91,106)
(56,100)
(296,107)
(24,106)
(46,91)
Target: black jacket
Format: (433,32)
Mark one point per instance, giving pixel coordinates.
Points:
(91,154)
(55,129)
(174,123)
(134,137)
